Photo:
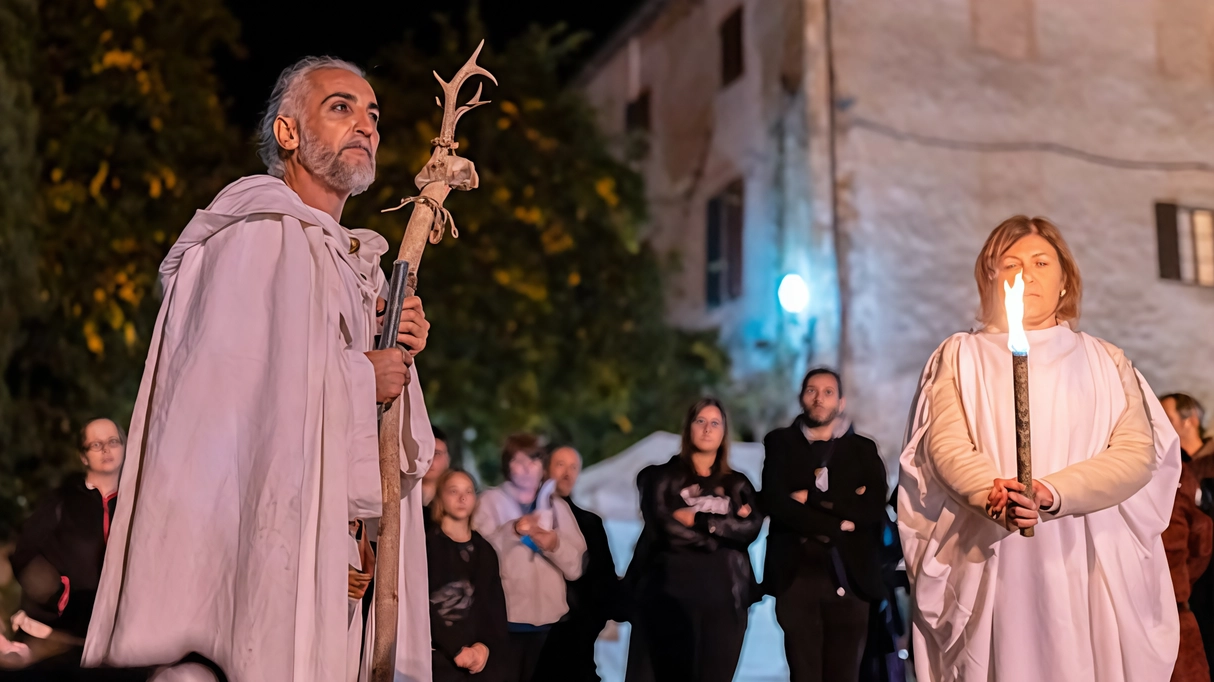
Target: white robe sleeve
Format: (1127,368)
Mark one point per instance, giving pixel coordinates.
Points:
(1123,468)
(967,473)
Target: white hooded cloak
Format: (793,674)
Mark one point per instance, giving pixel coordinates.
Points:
(253,443)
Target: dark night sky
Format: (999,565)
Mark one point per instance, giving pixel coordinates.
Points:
(274,35)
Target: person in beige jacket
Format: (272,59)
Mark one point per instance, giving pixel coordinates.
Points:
(538,544)
(1089,597)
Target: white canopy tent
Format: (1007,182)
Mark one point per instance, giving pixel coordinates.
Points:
(608,488)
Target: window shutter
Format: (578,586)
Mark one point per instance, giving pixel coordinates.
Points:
(636,116)
(1166,229)
(734,223)
(714,263)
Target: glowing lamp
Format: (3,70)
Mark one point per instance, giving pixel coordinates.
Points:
(793,293)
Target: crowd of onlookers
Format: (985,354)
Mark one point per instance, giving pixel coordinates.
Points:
(522,580)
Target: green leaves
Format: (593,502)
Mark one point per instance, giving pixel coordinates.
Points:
(130,141)
(547,312)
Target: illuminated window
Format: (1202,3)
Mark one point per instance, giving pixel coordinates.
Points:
(1186,243)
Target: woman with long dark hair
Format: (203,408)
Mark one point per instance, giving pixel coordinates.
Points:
(695,582)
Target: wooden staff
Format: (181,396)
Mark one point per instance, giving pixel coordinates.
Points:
(1024,447)
(442,173)
(1018,344)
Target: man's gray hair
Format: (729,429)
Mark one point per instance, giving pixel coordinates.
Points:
(285,101)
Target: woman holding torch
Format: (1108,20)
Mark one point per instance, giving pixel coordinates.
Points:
(1086,597)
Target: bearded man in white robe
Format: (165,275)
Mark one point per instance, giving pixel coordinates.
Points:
(1088,598)
(254,439)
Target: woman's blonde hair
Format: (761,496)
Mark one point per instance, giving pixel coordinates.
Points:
(1010,231)
(437,510)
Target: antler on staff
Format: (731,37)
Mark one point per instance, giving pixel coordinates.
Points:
(451,110)
(444,171)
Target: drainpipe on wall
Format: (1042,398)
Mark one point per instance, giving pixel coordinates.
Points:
(820,87)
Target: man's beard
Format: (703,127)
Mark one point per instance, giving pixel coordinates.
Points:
(327,165)
(814,423)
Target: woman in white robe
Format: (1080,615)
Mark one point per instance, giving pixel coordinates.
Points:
(1089,597)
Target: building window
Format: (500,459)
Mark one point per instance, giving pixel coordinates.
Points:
(731,47)
(724,261)
(1186,243)
(636,115)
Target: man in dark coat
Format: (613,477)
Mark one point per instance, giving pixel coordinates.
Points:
(824,488)
(593,598)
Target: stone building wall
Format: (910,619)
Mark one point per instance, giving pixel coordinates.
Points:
(704,136)
(940,140)
(948,117)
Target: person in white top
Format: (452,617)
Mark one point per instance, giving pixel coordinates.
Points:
(538,544)
(1089,597)
(254,439)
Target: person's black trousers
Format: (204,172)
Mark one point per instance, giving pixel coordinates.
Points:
(824,633)
(569,650)
(693,640)
(1201,602)
(525,650)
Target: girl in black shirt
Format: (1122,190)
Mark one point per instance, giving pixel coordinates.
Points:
(695,581)
(467,606)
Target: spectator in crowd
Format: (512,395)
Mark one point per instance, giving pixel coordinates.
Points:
(467,606)
(370,529)
(440,464)
(1187,541)
(885,654)
(634,585)
(593,598)
(697,584)
(825,489)
(538,545)
(1186,415)
(58,556)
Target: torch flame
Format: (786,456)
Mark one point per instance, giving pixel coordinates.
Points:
(1013,303)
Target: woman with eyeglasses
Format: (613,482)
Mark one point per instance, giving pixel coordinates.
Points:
(694,581)
(57,560)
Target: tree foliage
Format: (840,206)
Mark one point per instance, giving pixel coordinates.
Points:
(131,139)
(547,312)
(18,208)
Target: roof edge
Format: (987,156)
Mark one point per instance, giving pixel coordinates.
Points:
(636,23)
